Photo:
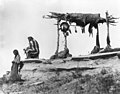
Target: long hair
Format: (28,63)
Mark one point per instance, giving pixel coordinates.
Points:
(15,52)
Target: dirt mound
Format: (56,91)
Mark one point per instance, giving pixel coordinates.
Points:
(99,76)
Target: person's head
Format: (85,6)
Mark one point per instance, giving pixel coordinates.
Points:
(30,38)
(15,52)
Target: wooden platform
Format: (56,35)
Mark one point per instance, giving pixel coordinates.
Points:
(96,56)
(113,52)
(32,60)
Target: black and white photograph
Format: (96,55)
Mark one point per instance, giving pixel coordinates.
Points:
(59,47)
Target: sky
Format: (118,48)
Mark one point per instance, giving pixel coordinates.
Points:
(22,18)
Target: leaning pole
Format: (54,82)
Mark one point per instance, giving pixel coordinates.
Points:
(108,34)
(58,37)
(110,20)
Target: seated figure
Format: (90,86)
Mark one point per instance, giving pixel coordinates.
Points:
(32,51)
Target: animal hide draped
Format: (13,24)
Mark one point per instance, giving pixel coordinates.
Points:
(80,19)
(83,19)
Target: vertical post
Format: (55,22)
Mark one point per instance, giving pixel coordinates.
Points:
(108,35)
(58,37)
(65,40)
(97,38)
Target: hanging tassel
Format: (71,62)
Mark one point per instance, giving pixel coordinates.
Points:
(75,29)
(90,30)
(83,29)
(67,34)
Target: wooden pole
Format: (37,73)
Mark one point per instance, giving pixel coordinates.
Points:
(97,38)
(108,35)
(65,40)
(58,38)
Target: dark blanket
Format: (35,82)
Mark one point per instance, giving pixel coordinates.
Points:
(83,19)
